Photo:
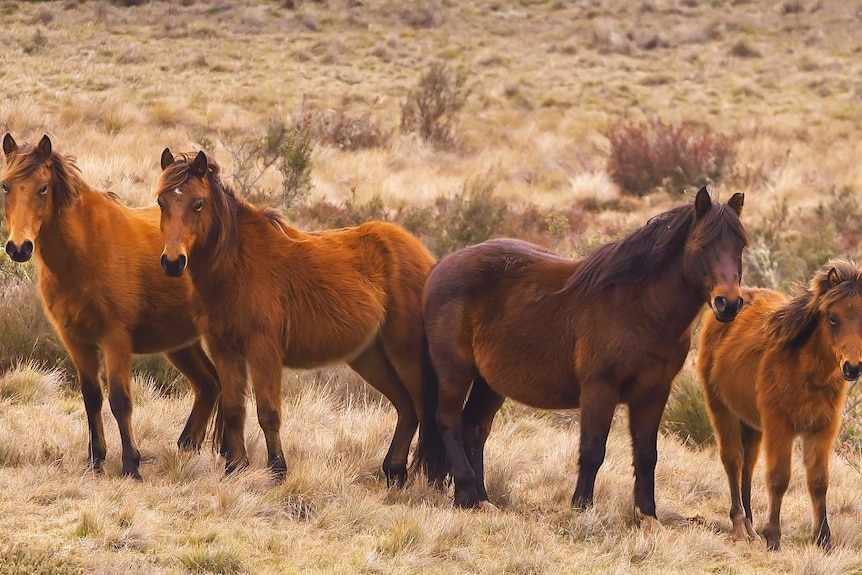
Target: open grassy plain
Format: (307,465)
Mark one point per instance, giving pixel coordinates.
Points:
(113,85)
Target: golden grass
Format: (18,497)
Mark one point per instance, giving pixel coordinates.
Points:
(333,513)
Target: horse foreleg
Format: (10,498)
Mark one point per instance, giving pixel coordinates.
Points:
(86,360)
(644,420)
(265,367)
(118,368)
(376,369)
(751,444)
(598,401)
(482,405)
(730,445)
(193,363)
(778,444)
(815,454)
(231,370)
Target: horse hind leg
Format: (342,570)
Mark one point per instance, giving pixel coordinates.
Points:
(375,368)
(86,360)
(482,405)
(751,449)
(193,363)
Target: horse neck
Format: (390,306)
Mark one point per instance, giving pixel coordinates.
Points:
(819,364)
(62,244)
(670,299)
(214,268)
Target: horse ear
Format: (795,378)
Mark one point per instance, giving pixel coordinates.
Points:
(167,158)
(200,165)
(702,202)
(736,201)
(833,278)
(9,144)
(45,146)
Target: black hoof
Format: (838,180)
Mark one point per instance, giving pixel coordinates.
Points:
(466,498)
(188,444)
(396,477)
(232,467)
(133,474)
(581,503)
(278,468)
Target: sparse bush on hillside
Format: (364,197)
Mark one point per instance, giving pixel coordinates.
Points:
(338,129)
(647,155)
(287,147)
(471,216)
(781,255)
(432,107)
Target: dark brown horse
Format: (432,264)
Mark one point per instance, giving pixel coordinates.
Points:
(508,319)
(272,296)
(102,289)
(781,370)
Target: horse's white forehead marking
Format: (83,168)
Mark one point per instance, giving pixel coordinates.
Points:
(177,191)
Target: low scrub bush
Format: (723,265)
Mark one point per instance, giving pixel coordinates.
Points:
(338,129)
(647,155)
(431,109)
(685,414)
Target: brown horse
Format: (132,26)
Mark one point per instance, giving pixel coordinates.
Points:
(271,296)
(512,320)
(102,289)
(780,371)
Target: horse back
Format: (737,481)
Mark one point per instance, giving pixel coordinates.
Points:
(731,354)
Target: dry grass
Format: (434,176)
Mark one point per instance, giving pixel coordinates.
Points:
(333,513)
(114,85)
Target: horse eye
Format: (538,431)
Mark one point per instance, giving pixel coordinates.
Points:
(43,190)
(833,319)
(5,187)
(198,205)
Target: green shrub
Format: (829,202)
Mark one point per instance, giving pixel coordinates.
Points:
(685,414)
(647,155)
(431,108)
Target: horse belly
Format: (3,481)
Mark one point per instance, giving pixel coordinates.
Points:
(315,350)
(531,384)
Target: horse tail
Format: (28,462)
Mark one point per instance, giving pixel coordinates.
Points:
(430,454)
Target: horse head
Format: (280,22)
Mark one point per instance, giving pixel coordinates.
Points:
(194,207)
(32,188)
(713,253)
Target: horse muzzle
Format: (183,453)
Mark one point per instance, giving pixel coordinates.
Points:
(851,372)
(726,310)
(174,268)
(20,253)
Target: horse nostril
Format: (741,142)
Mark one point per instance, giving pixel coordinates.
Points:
(851,372)
(173,268)
(720,303)
(739,303)
(11,249)
(26,249)
(182,261)
(163,261)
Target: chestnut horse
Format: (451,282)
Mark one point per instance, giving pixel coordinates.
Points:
(102,289)
(512,320)
(780,371)
(272,296)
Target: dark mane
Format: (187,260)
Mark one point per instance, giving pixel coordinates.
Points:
(645,251)
(795,322)
(66,175)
